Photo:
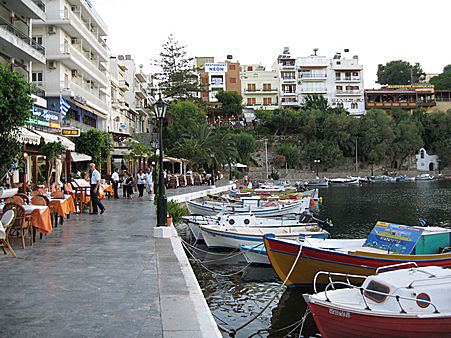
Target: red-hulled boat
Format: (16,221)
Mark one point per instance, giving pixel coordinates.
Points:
(413,302)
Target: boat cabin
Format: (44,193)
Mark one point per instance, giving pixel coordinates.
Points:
(419,290)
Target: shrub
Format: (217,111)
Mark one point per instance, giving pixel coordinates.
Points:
(176,211)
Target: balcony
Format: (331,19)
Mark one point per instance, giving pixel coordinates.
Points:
(310,76)
(288,93)
(347,79)
(84,93)
(78,60)
(349,92)
(287,66)
(261,91)
(19,45)
(124,85)
(34,9)
(405,105)
(289,103)
(38,88)
(76,28)
(314,90)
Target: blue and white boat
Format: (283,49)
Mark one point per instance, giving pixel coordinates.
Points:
(255,254)
(232,237)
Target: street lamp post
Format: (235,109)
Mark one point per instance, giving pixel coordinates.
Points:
(162,204)
(266,157)
(317,162)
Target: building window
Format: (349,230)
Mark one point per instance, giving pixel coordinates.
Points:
(204,80)
(251,101)
(233,80)
(231,67)
(354,105)
(267,101)
(422,153)
(339,88)
(337,75)
(250,69)
(89,121)
(251,87)
(340,105)
(37,39)
(36,77)
(355,74)
(266,87)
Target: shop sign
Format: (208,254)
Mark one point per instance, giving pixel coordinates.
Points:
(216,67)
(44,117)
(343,100)
(72,132)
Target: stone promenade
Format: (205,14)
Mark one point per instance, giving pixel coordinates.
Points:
(102,276)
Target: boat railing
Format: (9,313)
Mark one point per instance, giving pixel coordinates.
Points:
(206,218)
(363,290)
(334,274)
(395,266)
(427,279)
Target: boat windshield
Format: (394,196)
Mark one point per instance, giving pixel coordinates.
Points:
(377,296)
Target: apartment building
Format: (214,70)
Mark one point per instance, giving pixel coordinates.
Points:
(137,98)
(77,62)
(118,119)
(17,47)
(259,87)
(285,67)
(339,79)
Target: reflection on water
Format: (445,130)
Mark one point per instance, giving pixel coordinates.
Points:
(354,211)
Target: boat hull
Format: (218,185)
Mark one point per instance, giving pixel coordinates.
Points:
(195,230)
(335,322)
(298,207)
(255,255)
(282,256)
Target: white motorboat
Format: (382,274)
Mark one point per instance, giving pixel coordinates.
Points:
(217,236)
(255,254)
(344,181)
(424,177)
(256,206)
(413,302)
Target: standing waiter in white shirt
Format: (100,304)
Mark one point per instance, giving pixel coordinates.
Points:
(115,179)
(95,183)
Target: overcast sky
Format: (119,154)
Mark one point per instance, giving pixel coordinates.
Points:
(256,31)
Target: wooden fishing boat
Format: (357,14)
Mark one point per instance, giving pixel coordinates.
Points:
(216,236)
(412,302)
(387,244)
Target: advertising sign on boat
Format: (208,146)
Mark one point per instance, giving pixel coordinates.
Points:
(394,238)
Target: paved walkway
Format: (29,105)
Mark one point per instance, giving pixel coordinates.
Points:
(99,276)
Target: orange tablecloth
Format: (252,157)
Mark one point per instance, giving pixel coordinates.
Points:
(63,207)
(41,220)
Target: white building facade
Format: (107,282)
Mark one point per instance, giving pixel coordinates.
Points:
(77,62)
(426,162)
(339,79)
(259,87)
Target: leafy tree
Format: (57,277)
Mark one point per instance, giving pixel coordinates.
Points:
(327,152)
(376,137)
(15,105)
(95,143)
(291,154)
(182,117)
(437,135)
(284,120)
(315,102)
(399,72)
(177,77)
(443,81)
(245,144)
(407,139)
(231,102)
(52,150)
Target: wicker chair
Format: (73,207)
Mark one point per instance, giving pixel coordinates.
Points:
(6,221)
(21,223)
(16,199)
(38,200)
(24,197)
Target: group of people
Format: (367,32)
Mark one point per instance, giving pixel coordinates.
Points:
(141,181)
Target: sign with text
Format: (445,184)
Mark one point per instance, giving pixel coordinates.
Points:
(44,117)
(393,238)
(72,132)
(216,67)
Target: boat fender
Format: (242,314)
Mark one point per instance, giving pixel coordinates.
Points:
(269,236)
(312,202)
(321,200)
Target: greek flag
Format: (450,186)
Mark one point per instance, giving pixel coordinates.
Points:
(64,107)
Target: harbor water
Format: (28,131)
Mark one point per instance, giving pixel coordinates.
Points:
(237,292)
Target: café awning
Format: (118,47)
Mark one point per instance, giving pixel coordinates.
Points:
(26,136)
(68,144)
(78,157)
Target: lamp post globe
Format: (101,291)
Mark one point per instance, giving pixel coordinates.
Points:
(160,108)
(317,162)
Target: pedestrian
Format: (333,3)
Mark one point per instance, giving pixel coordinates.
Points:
(124,185)
(95,183)
(149,182)
(115,181)
(140,181)
(130,182)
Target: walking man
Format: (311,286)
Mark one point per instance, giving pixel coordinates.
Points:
(95,183)
(115,180)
